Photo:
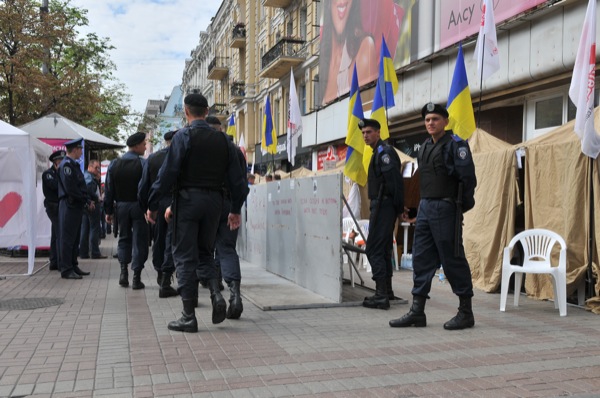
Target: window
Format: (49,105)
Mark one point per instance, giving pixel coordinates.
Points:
(548,113)
(303,99)
(316,92)
(303,23)
(275,111)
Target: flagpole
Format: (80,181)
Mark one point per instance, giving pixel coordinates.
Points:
(481,82)
(590,270)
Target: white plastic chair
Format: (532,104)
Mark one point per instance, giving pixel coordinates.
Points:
(537,249)
(360,242)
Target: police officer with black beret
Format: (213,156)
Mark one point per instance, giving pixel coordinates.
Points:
(386,193)
(162,260)
(50,189)
(447,181)
(122,179)
(198,163)
(73,198)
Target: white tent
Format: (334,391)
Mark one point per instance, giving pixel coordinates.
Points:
(23,159)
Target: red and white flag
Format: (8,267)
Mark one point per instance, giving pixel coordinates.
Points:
(486,50)
(242,145)
(582,87)
(294,126)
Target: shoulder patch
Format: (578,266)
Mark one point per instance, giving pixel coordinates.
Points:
(462,153)
(48,176)
(380,148)
(386,159)
(67,170)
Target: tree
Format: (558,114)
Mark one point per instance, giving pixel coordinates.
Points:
(47,66)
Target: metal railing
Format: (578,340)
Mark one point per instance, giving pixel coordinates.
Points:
(217,62)
(285,47)
(238,89)
(239,31)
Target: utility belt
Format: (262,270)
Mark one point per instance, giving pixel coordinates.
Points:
(446,199)
(185,192)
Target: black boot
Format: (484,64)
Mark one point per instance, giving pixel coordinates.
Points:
(390,292)
(124,278)
(219,304)
(415,317)
(187,323)
(137,283)
(166,290)
(159,277)
(380,298)
(464,318)
(235,301)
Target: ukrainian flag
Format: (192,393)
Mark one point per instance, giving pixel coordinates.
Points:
(388,80)
(460,107)
(354,168)
(269,136)
(231,126)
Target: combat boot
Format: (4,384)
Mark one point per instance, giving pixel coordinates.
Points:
(415,317)
(124,278)
(235,301)
(188,322)
(390,292)
(464,318)
(159,277)
(137,280)
(219,304)
(380,299)
(166,290)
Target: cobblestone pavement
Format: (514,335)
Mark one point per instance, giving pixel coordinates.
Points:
(105,340)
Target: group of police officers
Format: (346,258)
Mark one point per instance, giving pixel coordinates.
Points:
(193,191)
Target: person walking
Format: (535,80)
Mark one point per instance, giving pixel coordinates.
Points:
(226,257)
(386,192)
(162,262)
(447,186)
(50,190)
(90,221)
(122,179)
(73,198)
(199,162)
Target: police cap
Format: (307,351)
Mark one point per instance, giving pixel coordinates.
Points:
(213,120)
(434,108)
(196,100)
(369,123)
(76,143)
(136,138)
(169,135)
(57,155)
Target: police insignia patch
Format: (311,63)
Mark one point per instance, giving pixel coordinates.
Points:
(462,153)
(385,159)
(48,176)
(67,171)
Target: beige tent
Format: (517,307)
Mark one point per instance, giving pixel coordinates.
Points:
(557,176)
(489,226)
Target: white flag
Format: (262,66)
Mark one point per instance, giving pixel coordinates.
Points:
(486,51)
(242,145)
(582,87)
(294,125)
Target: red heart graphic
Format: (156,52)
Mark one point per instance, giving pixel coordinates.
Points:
(9,205)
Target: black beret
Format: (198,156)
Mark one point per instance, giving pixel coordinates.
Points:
(196,100)
(369,123)
(169,135)
(434,108)
(212,120)
(136,138)
(57,155)
(77,142)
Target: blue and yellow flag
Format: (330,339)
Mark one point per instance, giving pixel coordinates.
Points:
(354,168)
(269,136)
(388,80)
(231,126)
(460,106)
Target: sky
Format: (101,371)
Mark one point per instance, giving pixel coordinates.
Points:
(152,39)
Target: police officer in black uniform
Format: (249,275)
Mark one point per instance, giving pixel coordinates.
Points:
(163,263)
(386,192)
(226,257)
(447,187)
(198,163)
(73,198)
(122,179)
(50,189)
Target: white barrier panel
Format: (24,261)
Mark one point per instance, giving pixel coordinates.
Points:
(293,229)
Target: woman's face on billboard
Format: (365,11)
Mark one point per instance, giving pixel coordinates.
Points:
(340,10)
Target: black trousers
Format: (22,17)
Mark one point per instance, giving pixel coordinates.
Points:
(197,215)
(133,235)
(380,240)
(69,216)
(225,254)
(159,237)
(434,245)
(52,212)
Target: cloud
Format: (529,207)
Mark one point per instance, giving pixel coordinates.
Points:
(152,39)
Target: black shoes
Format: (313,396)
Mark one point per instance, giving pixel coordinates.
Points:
(380,299)
(188,322)
(79,271)
(218,302)
(137,283)
(464,318)
(70,275)
(235,301)
(415,317)
(99,257)
(53,267)
(124,277)
(166,290)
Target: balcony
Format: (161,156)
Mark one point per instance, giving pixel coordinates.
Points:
(238,36)
(287,53)
(277,3)
(219,110)
(217,69)
(237,92)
